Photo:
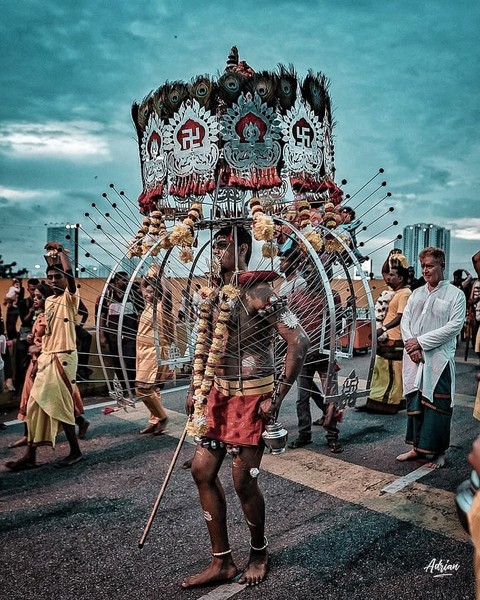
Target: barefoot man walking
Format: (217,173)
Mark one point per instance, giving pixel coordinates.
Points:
(432,319)
(240,404)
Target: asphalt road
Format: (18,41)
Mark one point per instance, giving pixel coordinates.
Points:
(340,526)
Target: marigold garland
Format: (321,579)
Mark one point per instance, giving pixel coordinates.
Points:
(329,219)
(186,255)
(269,250)
(204,368)
(182,234)
(263,227)
(315,240)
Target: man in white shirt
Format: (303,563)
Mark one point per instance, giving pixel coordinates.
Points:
(432,319)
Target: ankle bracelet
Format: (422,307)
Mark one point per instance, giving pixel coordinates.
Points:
(264,547)
(224,553)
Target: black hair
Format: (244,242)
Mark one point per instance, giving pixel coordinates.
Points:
(401,270)
(349,210)
(121,274)
(292,254)
(243,237)
(55,267)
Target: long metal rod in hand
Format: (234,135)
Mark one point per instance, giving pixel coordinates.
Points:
(163,488)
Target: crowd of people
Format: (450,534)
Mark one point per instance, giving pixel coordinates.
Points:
(418,326)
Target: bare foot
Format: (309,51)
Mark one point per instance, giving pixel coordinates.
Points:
(437,462)
(68,461)
(410,455)
(257,568)
(20,442)
(22,464)
(220,570)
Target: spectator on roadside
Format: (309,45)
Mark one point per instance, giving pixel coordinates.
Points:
(311,307)
(432,319)
(155,334)
(27,314)
(7,359)
(117,308)
(34,342)
(51,401)
(84,343)
(464,284)
(386,391)
(412,282)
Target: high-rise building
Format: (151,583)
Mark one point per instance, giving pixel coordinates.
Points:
(419,236)
(58,234)
(67,236)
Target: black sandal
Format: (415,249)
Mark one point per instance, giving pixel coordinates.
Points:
(336,447)
(299,443)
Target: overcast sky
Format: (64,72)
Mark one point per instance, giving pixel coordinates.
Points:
(404,84)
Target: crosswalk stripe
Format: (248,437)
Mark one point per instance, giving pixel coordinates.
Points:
(222,592)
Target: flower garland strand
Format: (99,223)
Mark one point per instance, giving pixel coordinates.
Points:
(305,225)
(204,370)
(263,228)
(182,234)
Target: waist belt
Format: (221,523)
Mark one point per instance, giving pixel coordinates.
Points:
(244,387)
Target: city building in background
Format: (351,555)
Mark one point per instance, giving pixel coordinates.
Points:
(58,233)
(419,236)
(67,235)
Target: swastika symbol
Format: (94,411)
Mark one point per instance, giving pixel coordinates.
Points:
(303,136)
(173,352)
(190,138)
(350,385)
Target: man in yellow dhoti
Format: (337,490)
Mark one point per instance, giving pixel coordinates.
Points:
(51,405)
(155,334)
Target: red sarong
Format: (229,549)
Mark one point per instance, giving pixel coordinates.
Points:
(233,418)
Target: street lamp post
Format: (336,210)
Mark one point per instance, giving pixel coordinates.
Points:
(75,227)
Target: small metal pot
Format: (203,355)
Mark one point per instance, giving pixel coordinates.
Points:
(275,438)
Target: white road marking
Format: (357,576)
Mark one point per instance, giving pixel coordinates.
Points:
(402,482)
(422,505)
(222,592)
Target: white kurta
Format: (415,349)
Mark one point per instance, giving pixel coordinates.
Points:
(435,318)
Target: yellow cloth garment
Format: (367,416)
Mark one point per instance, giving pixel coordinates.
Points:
(60,312)
(396,306)
(147,368)
(51,401)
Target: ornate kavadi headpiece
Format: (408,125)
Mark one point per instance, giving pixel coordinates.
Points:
(246,130)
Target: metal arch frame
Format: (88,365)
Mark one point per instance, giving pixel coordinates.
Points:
(156,339)
(189,330)
(332,354)
(371,308)
(130,283)
(98,322)
(313,255)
